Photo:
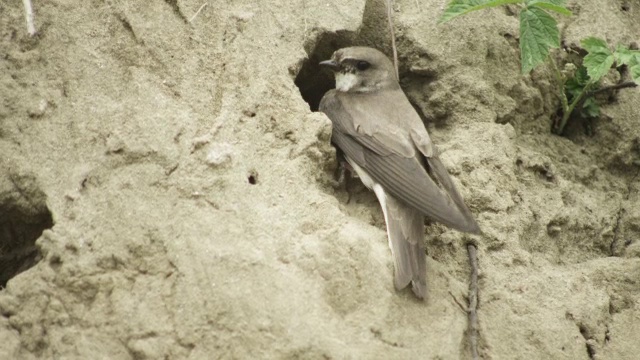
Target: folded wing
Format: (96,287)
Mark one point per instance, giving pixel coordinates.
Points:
(417,179)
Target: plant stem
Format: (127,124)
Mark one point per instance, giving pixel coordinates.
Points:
(578,100)
(584,95)
(589,94)
(560,80)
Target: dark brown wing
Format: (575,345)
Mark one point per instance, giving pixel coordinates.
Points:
(405,177)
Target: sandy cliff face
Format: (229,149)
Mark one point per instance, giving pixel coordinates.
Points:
(180,188)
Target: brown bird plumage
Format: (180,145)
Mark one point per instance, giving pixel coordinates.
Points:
(385,141)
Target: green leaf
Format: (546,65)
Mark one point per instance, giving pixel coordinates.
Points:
(599,59)
(538,34)
(581,76)
(623,55)
(461,7)
(554,2)
(550,5)
(590,108)
(598,64)
(576,84)
(635,72)
(635,59)
(594,44)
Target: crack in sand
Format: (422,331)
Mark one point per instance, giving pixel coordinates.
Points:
(590,342)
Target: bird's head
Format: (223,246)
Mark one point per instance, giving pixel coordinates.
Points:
(361,69)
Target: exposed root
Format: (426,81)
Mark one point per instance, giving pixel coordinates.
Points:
(473,301)
(28,12)
(393,37)
(198,12)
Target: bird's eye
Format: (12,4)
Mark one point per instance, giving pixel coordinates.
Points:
(362,65)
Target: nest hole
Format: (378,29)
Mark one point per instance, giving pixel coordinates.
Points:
(23,217)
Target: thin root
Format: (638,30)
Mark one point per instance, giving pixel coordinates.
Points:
(198,12)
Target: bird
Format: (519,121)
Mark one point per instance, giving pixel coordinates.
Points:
(384,140)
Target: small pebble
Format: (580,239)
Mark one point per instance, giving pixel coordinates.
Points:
(219,154)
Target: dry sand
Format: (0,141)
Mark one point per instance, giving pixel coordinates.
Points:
(190,188)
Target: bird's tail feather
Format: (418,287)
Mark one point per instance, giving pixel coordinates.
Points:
(405,230)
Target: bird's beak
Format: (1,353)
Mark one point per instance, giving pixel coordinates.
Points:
(331,64)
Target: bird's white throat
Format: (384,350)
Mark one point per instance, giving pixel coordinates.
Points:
(345,81)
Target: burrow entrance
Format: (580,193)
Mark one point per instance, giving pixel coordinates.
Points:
(23,217)
(313,81)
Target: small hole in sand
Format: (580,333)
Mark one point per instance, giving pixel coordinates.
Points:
(252,177)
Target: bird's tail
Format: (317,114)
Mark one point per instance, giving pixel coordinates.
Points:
(405,230)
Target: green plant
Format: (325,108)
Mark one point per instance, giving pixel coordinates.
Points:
(580,87)
(539,34)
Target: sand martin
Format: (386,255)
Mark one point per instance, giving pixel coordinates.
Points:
(386,143)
